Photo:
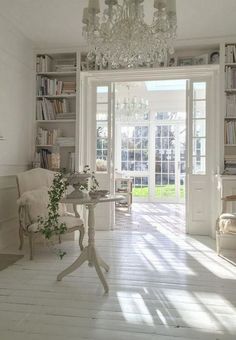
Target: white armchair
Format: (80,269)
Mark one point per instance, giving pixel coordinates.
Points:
(226,223)
(33,201)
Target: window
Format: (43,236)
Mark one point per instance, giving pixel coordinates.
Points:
(199,128)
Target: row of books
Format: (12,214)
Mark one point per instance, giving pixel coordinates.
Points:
(52,87)
(230,54)
(45,158)
(230,132)
(231,105)
(230,77)
(47,137)
(43,63)
(48,109)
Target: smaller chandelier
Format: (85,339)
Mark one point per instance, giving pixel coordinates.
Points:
(132,108)
(122,38)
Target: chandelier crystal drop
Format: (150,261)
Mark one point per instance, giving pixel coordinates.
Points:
(122,38)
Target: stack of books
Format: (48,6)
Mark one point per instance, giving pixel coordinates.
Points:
(66,115)
(65,141)
(69,87)
(230,159)
(230,164)
(65,65)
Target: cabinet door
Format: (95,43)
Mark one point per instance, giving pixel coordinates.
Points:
(198,170)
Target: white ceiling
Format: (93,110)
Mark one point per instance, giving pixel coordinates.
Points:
(58,22)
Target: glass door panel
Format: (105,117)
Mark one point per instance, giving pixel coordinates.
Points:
(170,161)
(135,158)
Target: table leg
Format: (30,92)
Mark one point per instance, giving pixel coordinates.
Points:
(103,264)
(99,271)
(76,264)
(89,253)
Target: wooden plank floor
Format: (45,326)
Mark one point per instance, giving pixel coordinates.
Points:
(163,285)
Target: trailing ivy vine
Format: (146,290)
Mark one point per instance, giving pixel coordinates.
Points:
(50,225)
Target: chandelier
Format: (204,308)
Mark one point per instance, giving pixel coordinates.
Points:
(122,38)
(132,108)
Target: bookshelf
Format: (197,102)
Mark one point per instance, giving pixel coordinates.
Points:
(229,102)
(56,109)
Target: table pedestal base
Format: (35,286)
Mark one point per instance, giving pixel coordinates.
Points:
(88,254)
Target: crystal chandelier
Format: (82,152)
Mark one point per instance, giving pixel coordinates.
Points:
(132,108)
(122,38)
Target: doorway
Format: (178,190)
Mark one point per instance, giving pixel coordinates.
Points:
(193,175)
(150,138)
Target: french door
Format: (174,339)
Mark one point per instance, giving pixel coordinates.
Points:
(153,154)
(176,148)
(167,181)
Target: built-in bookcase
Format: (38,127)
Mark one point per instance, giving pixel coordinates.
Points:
(230,108)
(56,110)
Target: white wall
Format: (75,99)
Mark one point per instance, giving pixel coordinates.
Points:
(16,120)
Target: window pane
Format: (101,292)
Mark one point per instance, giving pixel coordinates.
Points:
(102,94)
(101,165)
(199,128)
(199,90)
(199,165)
(199,147)
(199,109)
(102,109)
(102,131)
(140,186)
(170,115)
(138,155)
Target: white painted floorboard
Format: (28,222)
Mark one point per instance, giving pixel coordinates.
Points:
(163,285)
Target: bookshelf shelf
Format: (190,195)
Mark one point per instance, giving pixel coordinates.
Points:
(230,90)
(56,74)
(230,64)
(56,78)
(59,96)
(56,121)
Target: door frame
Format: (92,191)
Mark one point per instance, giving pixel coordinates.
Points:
(189,72)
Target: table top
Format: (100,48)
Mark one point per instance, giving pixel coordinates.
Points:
(89,200)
